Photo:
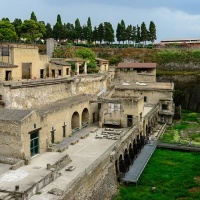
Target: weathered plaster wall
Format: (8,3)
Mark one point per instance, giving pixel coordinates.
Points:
(10,137)
(153,95)
(33,94)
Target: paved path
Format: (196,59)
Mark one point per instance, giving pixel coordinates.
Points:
(177,147)
(140,163)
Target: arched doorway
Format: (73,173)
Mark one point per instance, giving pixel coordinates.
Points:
(122,167)
(75,122)
(85,117)
(127,160)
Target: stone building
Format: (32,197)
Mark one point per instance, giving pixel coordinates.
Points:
(41,112)
(22,62)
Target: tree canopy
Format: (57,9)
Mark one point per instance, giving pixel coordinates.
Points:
(33,29)
(7,30)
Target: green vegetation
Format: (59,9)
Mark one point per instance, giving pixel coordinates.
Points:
(160,72)
(186,129)
(175,175)
(180,56)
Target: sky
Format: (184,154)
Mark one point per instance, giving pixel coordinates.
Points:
(173,18)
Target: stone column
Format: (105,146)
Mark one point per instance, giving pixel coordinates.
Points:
(85,68)
(77,68)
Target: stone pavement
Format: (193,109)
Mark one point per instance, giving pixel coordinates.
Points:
(84,154)
(4,168)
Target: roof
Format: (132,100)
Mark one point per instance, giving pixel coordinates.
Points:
(100,59)
(59,62)
(181,40)
(136,65)
(13,114)
(146,86)
(7,65)
(64,103)
(75,60)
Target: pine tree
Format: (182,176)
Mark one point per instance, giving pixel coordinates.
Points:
(58,29)
(129,33)
(152,32)
(108,32)
(33,17)
(144,33)
(134,34)
(95,34)
(123,31)
(118,33)
(101,33)
(138,35)
(89,30)
(49,31)
(78,30)
(17,24)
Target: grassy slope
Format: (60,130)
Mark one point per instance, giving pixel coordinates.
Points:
(176,175)
(187,128)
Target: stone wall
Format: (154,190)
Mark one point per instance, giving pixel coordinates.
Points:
(98,184)
(10,137)
(38,93)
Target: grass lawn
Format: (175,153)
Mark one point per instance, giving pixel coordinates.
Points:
(188,129)
(175,176)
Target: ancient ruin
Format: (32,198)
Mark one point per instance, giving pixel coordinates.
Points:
(45,111)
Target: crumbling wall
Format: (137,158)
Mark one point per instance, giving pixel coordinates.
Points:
(26,95)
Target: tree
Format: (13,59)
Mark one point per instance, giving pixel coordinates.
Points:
(69,31)
(49,31)
(108,32)
(78,30)
(123,31)
(144,33)
(32,30)
(5,19)
(134,34)
(101,32)
(89,30)
(88,55)
(33,17)
(152,32)
(95,35)
(129,33)
(7,30)
(58,29)
(17,24)
(118,33)
(138,35)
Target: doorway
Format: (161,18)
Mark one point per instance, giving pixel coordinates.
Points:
(8,75)
(53,73)
(26,70)
(34,143)
(42,73)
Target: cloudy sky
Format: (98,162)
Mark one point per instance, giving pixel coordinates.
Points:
(173,18)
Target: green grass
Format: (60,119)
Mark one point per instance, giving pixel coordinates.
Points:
(176,176)
(187,129)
